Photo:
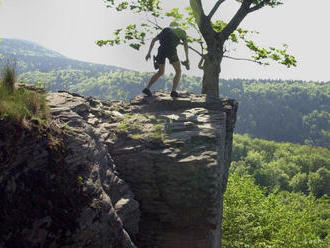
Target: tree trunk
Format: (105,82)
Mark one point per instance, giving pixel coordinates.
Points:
(210,83)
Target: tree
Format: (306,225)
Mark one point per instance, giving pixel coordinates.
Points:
(319,182)
(317,123)
(299,183)
(212,35)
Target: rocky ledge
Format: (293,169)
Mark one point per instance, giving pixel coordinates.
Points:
(149,173)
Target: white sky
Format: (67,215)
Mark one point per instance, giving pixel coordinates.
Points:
(71,27)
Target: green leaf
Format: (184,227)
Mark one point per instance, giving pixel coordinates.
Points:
(135,46)
(122,6)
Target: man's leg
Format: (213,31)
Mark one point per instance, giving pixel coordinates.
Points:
(177,67)
(157,75)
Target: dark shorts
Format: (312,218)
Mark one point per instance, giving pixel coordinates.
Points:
(164,53)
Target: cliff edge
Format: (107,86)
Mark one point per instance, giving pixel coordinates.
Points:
(149,173)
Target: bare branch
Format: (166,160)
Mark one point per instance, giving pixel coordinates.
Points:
(155,24)
(259,6)
(251,60)
(193,49)
(236,20)
(215,8)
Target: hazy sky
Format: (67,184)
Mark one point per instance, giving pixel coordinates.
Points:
(71,27)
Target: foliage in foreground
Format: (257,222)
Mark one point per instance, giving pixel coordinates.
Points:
(19,104)
(251,218)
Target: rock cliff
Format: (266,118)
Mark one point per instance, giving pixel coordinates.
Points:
(149,173)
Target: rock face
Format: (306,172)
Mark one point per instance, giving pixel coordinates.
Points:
(59,187)
(150,173)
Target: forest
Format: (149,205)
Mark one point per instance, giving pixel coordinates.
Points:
(294,111)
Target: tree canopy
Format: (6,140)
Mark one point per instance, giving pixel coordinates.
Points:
(283,166)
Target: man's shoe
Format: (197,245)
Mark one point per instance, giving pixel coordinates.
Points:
(174,94)
(147,92)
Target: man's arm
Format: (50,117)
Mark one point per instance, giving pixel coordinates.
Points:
(151,46)
(186,48)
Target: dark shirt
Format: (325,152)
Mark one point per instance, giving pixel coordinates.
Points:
(170,38)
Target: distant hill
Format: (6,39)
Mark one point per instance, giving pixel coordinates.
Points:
(25,48)
(30,56)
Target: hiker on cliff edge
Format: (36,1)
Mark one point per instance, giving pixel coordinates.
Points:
(169,38)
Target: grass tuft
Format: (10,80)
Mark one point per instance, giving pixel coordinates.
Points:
(20,104)
(8,76)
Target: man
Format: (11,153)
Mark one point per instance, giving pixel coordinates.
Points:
(169,38)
